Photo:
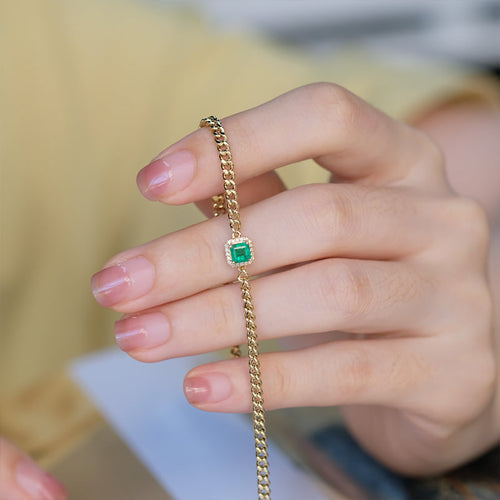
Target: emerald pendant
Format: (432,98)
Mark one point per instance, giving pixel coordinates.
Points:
(239,252)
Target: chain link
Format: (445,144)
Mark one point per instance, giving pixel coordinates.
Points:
(219,208)
(227,203)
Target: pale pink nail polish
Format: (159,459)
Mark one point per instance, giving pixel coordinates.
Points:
(142,332)
(128,280)
(207,388)
(38,483)
(166,175)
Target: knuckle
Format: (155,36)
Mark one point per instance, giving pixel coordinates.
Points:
(470,226)
(481,366)
(433,153)
(335,105)
(324,92)
(487,378)
(474,219)
(356,369)
(430,160)
(200,250)
(409,372)
(473,381)
(475,303)
(388,201)
(478,387)
(326,212)
(345,288)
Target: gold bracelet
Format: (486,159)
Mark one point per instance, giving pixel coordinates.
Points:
(239,253)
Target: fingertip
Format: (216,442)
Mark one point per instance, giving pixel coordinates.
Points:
(153,179)
(221,386)
(21,477)
(38,483)
(123,281)
(207,388)
(143,331)
(167,175)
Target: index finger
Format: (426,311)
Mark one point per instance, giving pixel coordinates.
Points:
(344,134)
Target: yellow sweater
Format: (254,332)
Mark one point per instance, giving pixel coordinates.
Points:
(90,91)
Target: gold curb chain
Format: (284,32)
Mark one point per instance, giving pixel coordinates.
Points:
(228,203)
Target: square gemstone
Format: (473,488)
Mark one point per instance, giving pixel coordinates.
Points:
(239,251)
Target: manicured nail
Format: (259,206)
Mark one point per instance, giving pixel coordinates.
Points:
(126,281)
(142,332)
(38,483)
(209,388)
(166,175)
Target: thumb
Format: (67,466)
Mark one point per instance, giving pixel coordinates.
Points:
(22,479)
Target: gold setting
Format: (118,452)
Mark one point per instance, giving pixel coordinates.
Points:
(235,241)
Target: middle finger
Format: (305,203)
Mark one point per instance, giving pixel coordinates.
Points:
(317,221)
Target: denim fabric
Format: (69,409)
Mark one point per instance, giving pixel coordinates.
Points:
(338,444)
(477,481)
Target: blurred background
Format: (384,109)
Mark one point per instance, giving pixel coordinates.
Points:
(91,88)
(462,30)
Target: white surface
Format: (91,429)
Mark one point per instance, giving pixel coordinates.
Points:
(193,454)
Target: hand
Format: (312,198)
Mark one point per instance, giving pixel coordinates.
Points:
(22,479)
(388,251)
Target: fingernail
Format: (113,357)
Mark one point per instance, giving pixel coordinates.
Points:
(142,332)
(126,281)
(38,483)
(209,388)
(166,175)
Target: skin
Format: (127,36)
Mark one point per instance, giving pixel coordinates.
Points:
(390,251)
(22,479)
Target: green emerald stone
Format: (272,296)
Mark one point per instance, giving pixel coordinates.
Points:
(240,252)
